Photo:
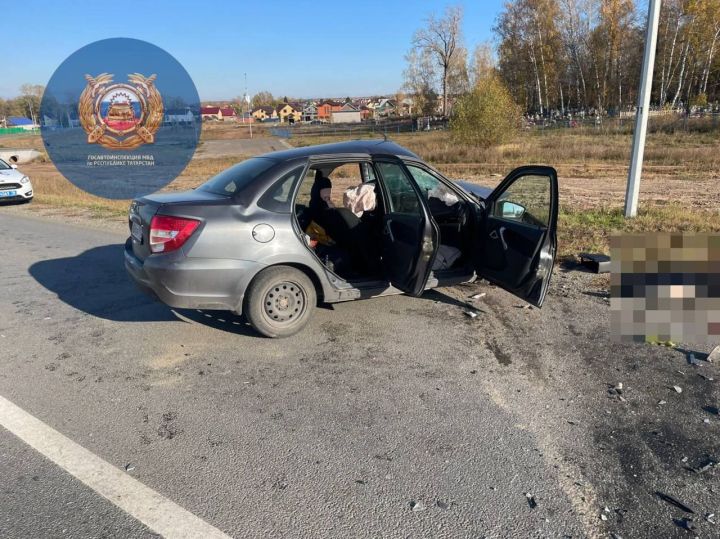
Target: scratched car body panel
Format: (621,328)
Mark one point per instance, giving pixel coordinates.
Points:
(274,235)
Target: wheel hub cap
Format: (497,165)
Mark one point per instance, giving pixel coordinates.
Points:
(284,302)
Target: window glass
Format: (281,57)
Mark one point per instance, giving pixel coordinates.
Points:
(235,178)
(4,165)
(277,198)
(526,200)
(431,187)
(403,198)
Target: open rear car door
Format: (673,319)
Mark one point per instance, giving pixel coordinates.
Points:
(409,234)
(517,240)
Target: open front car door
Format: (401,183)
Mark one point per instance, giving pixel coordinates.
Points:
(410,235)
(517,239)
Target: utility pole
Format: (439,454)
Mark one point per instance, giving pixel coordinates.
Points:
(247,100)
(641,116)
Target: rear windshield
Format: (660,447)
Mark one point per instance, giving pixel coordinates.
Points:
(235,178)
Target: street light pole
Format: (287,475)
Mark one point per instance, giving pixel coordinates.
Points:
(641,116)
(247,100)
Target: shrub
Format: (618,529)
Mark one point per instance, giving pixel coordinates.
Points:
(487,115)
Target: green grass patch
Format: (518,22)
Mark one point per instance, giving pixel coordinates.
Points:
(590,229)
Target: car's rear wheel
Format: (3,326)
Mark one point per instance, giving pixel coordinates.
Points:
(279,301)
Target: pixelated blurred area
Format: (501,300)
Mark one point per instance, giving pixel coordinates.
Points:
(665,287)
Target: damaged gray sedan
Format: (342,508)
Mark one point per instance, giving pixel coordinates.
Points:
(274,235)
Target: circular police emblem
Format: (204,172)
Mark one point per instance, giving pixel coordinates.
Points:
(120,118)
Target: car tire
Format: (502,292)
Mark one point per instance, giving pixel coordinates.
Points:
(279,301)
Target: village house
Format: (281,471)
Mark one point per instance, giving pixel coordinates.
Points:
(347,114)
(309,112)
(228,113)
(210,113)
(289,113)
(264,113)
(365,112)
(406,107)
(326,108)
(384,108)
(179,116)
(21,122)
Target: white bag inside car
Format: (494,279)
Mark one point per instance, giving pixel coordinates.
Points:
(360,199)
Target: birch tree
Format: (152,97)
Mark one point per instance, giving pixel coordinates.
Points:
(441,40)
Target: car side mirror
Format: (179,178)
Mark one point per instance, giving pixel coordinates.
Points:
(511,210)
(13,166)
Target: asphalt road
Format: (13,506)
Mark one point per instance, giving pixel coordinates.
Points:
(391,417)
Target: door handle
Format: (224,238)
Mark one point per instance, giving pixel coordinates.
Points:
(501,235)
(388,230)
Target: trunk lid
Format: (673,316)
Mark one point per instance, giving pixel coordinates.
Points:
(143,209)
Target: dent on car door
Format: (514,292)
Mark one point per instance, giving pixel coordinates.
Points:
(409,234)
(518,241)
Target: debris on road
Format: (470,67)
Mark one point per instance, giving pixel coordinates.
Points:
(692,360)
(668,344)
(442,505)
(677,389)
(417,506)
(709,463)
(599,263)
(471,314)
(714,355)
(478,296)
(710,517)
(129,467)
(705,377)
(674,501)
(531,500)
(661,402)
(685,523)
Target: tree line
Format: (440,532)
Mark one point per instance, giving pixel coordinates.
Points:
(557,56)
(26,105)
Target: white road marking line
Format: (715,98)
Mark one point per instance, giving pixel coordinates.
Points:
(142,503)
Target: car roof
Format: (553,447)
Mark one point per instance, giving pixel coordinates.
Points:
(352,147)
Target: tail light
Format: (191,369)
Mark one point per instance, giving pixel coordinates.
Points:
(170,233)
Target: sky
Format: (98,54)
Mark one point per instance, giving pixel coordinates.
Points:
(296,49)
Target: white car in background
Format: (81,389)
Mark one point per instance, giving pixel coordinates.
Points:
(14,185)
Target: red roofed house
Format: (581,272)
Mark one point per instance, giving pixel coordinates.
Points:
(210,113)
(228,113)
(218,113)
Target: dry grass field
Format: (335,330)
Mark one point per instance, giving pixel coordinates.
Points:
(680,187)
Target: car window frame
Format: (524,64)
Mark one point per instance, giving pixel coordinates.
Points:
(538,224)
(459,191)
(313,162)
(267,202)
(259,178)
